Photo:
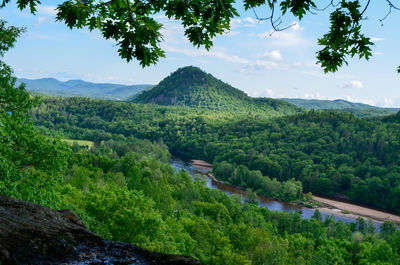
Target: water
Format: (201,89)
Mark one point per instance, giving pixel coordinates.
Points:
(271,204)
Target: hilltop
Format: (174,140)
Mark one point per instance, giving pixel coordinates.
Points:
(358,109)
(80,88)
(190,86)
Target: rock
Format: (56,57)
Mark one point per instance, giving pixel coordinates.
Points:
(33,234)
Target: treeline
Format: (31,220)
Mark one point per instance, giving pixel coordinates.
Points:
(330,153)
(125,190)
(241,176)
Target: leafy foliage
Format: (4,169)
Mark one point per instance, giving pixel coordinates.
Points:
(29,161)
(344,38)
(124,189)
(331,153)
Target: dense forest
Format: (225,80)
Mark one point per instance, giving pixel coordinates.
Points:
(192,87)
(330,153)
(124,189)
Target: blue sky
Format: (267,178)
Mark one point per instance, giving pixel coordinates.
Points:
(248,57)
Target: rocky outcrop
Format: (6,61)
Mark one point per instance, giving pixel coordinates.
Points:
(32,234)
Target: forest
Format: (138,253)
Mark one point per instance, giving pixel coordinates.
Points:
(124,189)
(330,153)
(108,161)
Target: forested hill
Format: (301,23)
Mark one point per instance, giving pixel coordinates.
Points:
(80,88)
(190,86)
(330,153)
(358,109)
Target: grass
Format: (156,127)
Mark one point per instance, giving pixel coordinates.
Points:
(88,144)
(345,212)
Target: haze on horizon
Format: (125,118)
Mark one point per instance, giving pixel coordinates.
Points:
(248,57)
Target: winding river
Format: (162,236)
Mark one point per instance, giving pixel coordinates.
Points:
(271,204)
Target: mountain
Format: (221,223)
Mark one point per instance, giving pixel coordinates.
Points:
(190,86)
(358,109)
(80,88)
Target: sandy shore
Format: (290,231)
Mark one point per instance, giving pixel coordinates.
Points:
(355,210)
(201,163)
(330,206)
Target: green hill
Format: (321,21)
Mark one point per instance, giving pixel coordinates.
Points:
(80,88)
(358,109)
(190,86)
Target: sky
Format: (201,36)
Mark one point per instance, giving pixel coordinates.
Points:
(248,57)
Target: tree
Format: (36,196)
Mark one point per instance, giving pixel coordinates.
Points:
(132,25)
(28,160)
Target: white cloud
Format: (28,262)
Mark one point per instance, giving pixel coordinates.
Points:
(252,21)
(235,22)
(296,26)
(47,10)
(285,38)
(204,53)
(260,66)
(261,92)
(270,93)
(273,55)
(357,84)
(374,39)
(39,21)
(389,103)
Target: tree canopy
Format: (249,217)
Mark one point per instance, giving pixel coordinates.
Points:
(133,26)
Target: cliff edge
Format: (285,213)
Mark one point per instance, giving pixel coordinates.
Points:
(33,234)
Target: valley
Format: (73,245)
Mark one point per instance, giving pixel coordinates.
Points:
(276,150)
(343,211)
(113,169)
(199,132)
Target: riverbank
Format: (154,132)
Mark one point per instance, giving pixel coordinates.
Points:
(330,206)
(337,207)
(201,163)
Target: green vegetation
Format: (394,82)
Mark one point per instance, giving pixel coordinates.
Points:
(330,153)
(79,88)
(358,109)
(124,189)
(83,143)
(190,86)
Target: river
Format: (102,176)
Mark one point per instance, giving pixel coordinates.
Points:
(271,204)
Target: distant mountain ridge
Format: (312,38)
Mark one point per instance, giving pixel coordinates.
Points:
(358,109)
(80,88)
(331,104)
(192,87)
